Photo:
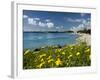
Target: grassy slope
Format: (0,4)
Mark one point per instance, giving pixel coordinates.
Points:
(54,56)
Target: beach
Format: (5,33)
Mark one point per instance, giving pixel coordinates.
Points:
(84,38)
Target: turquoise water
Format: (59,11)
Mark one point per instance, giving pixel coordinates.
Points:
(36,40)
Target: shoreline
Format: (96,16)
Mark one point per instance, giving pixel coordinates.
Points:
(84,38)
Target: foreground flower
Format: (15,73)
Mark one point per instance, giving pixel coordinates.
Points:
(63,53)
(27,51)
(88,50)
(49,57)
(50,60)
(40,65)
(69,56)
(71,46)
(42,60)
(42,55)
(58,62)
(58,50)
(78,53)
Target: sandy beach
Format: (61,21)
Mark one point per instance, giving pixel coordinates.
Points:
(85,38)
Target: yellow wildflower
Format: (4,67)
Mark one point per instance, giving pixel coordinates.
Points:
(87,50)
(56,50)
(71,47)
(42,60)
(58,55)
(42,55)
(40,65)
(58,62)
(27,51)
(78,53)
(69,56)
(49,57)
(59,50)
(63,52)
(50,60)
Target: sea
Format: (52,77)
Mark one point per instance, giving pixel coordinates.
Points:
(33,40)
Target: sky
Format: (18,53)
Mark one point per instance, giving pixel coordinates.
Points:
(55,21)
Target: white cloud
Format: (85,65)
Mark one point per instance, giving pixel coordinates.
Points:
(47,20)
(32,21)
(46,24)
(50,24)
(57,27)
(37,19)
(84,21)
(85,24)
(25,16)
(82,14)
(62,26)
(73,28)
(42,24)
(74,20)
(81,27)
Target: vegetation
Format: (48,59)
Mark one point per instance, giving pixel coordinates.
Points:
(87,31)
(69,31)
(66,31)
(56,56)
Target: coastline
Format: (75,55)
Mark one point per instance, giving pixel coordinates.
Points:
(84,38)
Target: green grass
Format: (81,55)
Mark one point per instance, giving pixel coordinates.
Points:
(76,55)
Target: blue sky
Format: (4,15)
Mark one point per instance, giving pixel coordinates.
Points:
(53,21)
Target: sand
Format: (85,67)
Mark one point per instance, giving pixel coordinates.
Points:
(85,38)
